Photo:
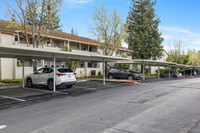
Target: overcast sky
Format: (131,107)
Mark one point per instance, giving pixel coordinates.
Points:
(180,19)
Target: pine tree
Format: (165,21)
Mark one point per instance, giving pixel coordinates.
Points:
(143,35)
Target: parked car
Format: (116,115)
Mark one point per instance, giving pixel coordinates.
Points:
(124,73)
(172,74)
(44,76)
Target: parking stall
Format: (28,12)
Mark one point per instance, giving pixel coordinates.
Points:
(159,64)
(34,53)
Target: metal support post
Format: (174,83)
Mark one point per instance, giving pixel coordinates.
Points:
(54,73)
(169,73)
(23,74)
(158,71)
(143,71)
(191,71)
(104,77)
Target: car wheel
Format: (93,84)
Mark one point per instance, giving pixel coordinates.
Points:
(130,77)
(161,76)
(29,83)
(50,84)
(69,86)
(110,76)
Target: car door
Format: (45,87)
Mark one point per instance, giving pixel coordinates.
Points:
(124,73)
(121,73)
(36,78)
(47,74)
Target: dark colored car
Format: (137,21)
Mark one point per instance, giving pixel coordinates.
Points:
(124,73)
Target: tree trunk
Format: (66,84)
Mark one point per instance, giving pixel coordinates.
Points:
(34,65)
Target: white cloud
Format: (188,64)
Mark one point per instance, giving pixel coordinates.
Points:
(76,3)
(170,34)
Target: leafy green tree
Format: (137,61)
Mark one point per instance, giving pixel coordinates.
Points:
(143,35)
(37,16)
(73,65)
(108,29)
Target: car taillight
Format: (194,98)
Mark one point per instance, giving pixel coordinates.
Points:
(74,73)
(61,75)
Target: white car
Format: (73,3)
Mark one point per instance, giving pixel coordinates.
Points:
(44,76)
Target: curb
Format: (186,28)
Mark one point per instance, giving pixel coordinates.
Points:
(132,82)
(190,77)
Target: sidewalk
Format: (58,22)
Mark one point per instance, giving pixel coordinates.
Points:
(9,85)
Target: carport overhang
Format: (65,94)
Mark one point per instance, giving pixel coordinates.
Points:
(38,53)
(149,62)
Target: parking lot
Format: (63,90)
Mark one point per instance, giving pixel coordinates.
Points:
(15,97)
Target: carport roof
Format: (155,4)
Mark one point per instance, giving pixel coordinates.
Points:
(150,62)
(37,53)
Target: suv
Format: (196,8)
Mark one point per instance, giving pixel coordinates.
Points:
(124,73)
(44,76)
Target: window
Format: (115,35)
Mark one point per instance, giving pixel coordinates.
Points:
(49,44)
(19,63)
(90,49)
(83,49)
(16,39)
(82,65)
(48,70)
(40,71)
(93,65)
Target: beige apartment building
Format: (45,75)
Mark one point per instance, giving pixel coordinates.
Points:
(53,41)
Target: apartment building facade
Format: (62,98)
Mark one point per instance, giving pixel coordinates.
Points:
(53,41)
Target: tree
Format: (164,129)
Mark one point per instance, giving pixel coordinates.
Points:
(73,65)
(177,53)
(36,17)
(107,29)
(143,35)
(194,57)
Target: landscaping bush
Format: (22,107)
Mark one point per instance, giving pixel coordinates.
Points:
(12,81)
(161,71)
(99,73)
(93,73)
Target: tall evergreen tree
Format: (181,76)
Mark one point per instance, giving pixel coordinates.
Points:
(143,35)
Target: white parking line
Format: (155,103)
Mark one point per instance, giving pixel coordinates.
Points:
(2,126)
(13,98)
(39,90)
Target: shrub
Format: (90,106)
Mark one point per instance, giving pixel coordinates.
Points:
(100,76)
(161,70)
(67,49)
(12,81)
(93,73)
(133,69)
(99,73)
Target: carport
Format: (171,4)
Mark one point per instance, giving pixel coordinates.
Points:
(150,62)
(38,53)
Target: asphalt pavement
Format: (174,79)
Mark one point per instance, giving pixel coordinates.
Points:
(170,106)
